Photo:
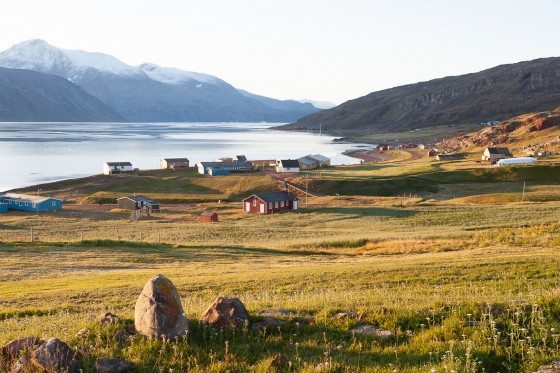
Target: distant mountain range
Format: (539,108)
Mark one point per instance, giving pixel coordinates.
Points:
(29,96)
(145,93)
(498,93)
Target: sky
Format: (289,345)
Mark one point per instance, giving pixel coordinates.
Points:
(324,50)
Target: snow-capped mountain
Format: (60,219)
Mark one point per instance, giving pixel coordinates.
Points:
(148,92)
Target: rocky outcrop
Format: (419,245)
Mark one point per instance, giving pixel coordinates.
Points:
(226,312)
(158,311)
(552,367)
(12,349)
(372,330)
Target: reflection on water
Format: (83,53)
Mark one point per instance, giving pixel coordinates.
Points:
(34,153)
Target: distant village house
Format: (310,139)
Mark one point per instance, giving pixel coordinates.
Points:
(110,168)
(134,203)
(173,163)
(287,165)
(268,203)
(495,154)
(432,152)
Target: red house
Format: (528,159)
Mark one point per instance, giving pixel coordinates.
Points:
(267,203)
(209,216)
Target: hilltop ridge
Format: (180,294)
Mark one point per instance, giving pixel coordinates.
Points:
(494,94)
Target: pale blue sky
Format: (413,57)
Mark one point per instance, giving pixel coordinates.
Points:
(329,50)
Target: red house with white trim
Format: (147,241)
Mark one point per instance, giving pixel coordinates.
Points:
(267,203)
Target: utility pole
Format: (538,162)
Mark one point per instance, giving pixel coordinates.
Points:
(523,194)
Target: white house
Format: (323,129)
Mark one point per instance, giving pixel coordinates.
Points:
(117,167)
(287,165)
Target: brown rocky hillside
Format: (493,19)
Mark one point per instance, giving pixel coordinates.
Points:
(535,131)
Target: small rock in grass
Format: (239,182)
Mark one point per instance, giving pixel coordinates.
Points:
(226,312)
(113,366)
(279,361)
(121,336)
(346,315)
(82,333)
(109,319)
(276,313)
(268,323)
(12,349)
(372,330)
(55,356)
(552,367)
(130,329)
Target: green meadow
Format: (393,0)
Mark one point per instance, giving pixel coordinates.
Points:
(461,265)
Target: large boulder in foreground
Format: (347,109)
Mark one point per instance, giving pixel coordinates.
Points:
(158,310)
(55,356)
(12,349)
(226,312)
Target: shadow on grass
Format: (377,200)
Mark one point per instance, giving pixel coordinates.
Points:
(361,211)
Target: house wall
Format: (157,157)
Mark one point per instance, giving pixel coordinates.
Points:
(50,204)
(209,219)
(127,204)
(107,170)
(166,165)
(287,169)
(255,206)
(3,207)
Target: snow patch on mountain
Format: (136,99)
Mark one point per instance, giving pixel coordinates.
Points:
(40,56)
(172,75)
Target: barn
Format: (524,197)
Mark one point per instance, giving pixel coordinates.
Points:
(495,154)
(133,203)
(267,203)
(27,202)
(110,168)
(173,163)
(209,217)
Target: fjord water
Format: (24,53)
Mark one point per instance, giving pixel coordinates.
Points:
(34,153)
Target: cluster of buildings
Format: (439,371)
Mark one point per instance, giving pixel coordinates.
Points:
(225,166)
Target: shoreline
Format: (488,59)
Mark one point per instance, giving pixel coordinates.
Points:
(368,156)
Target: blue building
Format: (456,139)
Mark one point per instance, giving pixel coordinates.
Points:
(223,168)
(25,202)
(3,207)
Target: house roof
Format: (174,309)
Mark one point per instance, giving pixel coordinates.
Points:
(118,163)
(241,158)
(288,163)
(504,151)
(319,157)
(140,199)
(28,198)
(208,213)
(275,197)
(176,159)
(226,164)
(307,160)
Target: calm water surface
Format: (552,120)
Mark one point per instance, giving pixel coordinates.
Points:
(33,153)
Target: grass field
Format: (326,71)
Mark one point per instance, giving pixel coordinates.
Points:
(464,274)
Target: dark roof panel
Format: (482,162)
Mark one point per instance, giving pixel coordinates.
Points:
(275,197)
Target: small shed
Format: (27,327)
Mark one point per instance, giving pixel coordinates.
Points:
(209,216)
(173,163)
